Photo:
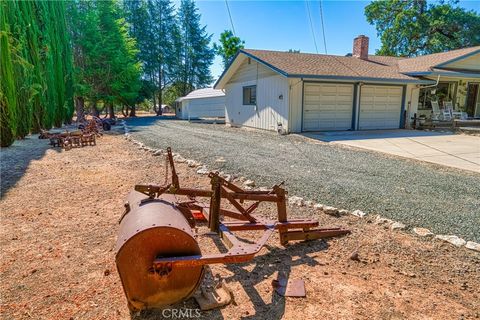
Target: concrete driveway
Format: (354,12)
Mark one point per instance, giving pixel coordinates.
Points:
(444,148)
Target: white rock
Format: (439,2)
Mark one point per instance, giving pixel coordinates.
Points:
(179,159)
(343,212)
(241,179)
(264,189)
(359,213)
(221,159)
(296,201)
(397,226)
(158,152)
(380,220)
(249,183)
(318,206)
(247,188)
(456,241)
(228,177)
(192,163)
(330,210)
(473,246)
(309,203)
(422,232)
(202,170)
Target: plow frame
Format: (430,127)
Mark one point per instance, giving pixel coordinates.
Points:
(243,220)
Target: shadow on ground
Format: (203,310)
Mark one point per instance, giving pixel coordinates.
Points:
(14,160)
(277,259)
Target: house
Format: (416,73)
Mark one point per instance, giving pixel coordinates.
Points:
(298,92)
(201,103)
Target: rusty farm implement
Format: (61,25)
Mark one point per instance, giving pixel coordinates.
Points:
(158,259)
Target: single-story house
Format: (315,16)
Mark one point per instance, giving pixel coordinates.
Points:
(298,92)
(201,103)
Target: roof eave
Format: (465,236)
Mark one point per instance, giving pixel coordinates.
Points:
(366,79)
(445,73)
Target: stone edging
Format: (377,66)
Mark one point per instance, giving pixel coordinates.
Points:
(300,202)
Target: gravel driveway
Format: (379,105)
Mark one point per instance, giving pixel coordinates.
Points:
(445,200)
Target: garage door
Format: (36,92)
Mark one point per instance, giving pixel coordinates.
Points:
(327,107)
(380,107)
(206,108)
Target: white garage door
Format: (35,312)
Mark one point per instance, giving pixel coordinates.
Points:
(380,107)
(206,108)
(327,106)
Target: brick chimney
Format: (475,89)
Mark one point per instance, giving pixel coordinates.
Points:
(360,47)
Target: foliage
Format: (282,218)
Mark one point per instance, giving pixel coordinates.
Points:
(228,47)
(36,68)
(415,27)
(194,55)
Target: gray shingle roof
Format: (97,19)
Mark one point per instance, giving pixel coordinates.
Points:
(376,67)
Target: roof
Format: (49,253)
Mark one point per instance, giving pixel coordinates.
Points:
(321,65)
(202,93)
(376,68)
(428,62)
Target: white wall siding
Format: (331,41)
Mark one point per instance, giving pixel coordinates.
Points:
(295,112)
(270,109)
(250,70)
(469,63)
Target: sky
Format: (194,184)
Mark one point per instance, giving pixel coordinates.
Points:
(284,25)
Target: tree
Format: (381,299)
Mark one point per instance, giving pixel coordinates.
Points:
(36,68)
(193,54)
(105,56)
(228,47)
(415,27)
(152,23)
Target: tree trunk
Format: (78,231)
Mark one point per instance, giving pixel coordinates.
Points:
(133,111)
(154,102)
(80,109)
(93,109)
(125,112)
(159,110)
(111,112)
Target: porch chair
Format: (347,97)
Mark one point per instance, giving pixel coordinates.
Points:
(455,114)
(440,114)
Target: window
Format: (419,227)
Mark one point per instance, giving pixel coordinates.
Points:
(250,95)
(443,92)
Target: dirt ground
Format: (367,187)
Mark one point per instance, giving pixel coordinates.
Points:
(59,216)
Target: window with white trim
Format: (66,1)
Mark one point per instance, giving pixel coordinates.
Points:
(250,95)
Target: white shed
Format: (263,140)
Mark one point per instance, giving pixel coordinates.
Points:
(201,103)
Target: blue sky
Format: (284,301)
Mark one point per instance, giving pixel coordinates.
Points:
(283,25)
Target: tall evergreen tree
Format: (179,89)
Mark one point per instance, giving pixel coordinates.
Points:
(36,67)
(228,47)
(195,54)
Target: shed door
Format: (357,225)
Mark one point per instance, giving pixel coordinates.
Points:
(206,108)
(327,106)
(380,107)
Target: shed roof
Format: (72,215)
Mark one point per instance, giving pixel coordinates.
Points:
(202,93)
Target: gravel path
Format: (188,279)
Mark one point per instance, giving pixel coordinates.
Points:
(445,200)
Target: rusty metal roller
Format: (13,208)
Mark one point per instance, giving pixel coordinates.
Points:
(155,228)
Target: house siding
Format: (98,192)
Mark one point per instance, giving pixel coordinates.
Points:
(296,105)
(270,109)
(469,63)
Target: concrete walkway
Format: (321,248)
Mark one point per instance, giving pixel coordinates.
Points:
(448,149)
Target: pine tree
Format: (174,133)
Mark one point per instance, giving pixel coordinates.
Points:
(195,51)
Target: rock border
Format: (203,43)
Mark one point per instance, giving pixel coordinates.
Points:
(297,201)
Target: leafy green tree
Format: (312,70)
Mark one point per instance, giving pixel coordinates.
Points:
(228,47)
(105,55)
(415,27)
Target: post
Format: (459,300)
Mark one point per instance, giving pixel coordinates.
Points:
(214,216)
(282,213)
